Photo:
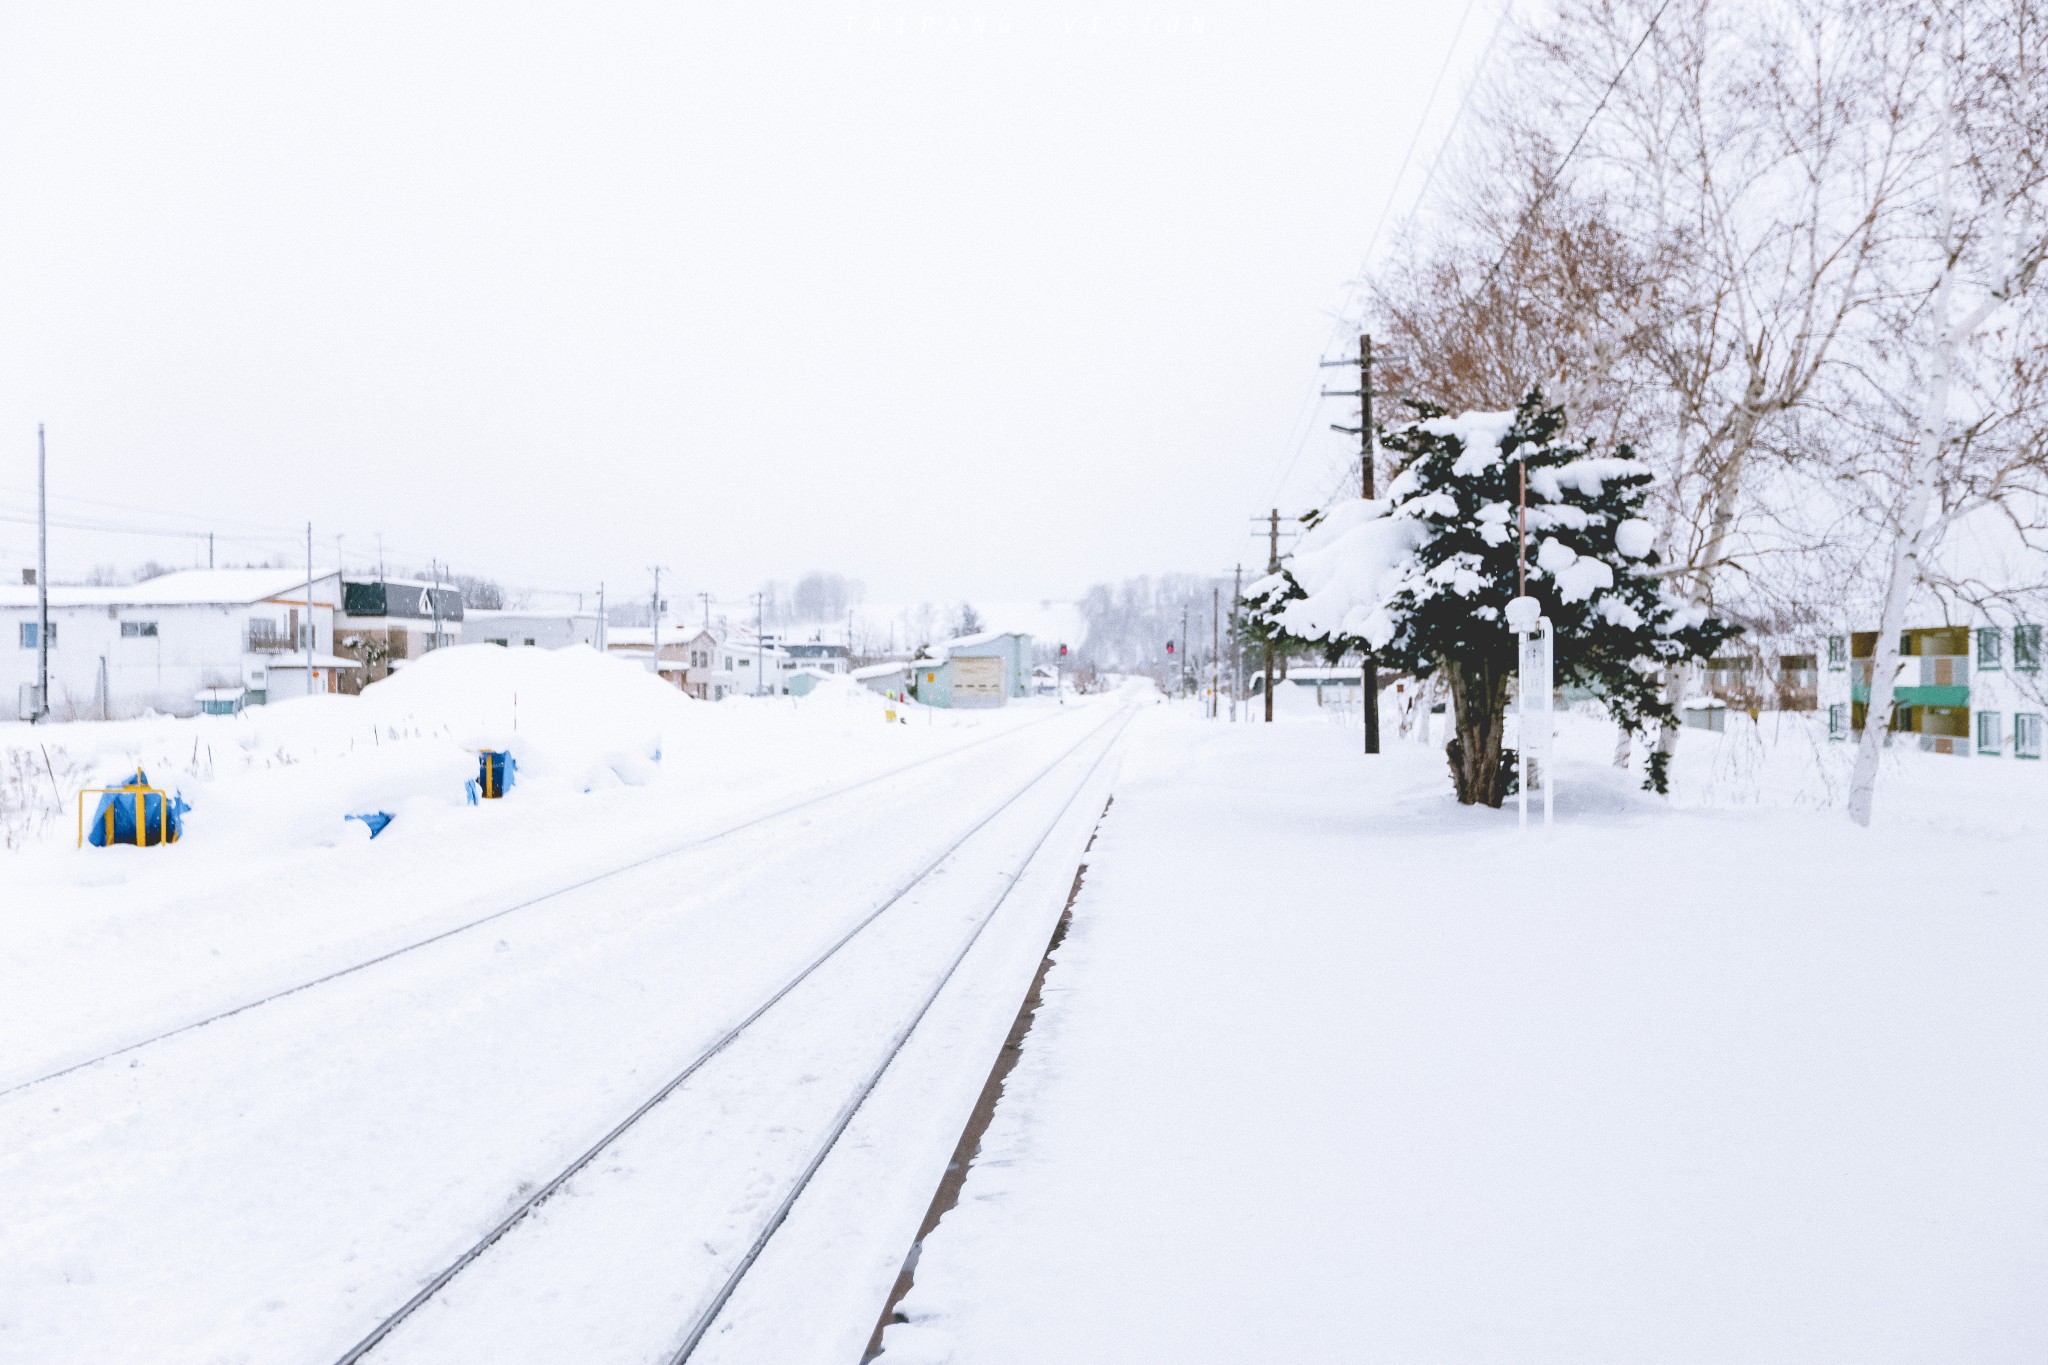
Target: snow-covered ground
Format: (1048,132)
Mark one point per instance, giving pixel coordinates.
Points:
(1329,1069)
(270,1185)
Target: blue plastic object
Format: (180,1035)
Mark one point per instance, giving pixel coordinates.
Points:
(375,819)
(495,771)
(159,826)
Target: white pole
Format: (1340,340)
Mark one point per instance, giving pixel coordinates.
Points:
(1549,721)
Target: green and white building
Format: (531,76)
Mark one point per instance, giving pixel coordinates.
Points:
(1967,689)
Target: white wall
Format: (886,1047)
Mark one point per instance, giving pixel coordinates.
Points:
(195,646)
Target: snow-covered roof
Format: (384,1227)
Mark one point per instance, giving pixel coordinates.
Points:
(944,648)
(507,613)
(186,588)
(880,670)
(277,661)
(643,636)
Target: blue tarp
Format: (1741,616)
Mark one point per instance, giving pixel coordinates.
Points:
(156,822)
(495,770)
(375,819)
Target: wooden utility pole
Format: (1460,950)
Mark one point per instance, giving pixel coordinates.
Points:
(1183,649)
(1272,567)
(1369,669)
(1236,640)
(1369,675)
(1215,649)
(654,615)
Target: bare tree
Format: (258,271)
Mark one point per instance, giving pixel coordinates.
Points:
(1987,247)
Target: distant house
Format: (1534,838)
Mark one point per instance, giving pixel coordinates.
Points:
(1961,689)
(386,623)
(974,670)
(636,643)
(1764,682)
(892,680)
(538,630)
(199,640)
(822,657)
(758,667)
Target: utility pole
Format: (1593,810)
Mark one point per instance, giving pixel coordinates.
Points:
(209,549)
(758,652)
(1184,649)
(1215,647)
(310,632)
(434,601)
(655,616)
(42,578)
(602,622)
(1236,643)
(705,598)
(1272,567)
(1369,668)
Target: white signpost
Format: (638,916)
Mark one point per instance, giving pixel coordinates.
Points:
(1534,689)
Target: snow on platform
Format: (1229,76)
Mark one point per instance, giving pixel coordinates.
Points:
(1329,1069)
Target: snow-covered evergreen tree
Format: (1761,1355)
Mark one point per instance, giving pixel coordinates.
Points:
(1423,576)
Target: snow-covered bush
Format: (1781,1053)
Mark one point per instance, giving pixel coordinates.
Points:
(1422,577)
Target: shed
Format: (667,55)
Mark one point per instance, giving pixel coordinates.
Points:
(800,682)
(891,679)
(974,670)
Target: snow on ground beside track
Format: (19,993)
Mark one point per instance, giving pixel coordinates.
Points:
(271,881)
(1330,1069)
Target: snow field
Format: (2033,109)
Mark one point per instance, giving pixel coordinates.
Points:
(286,1176)
(1329,1069)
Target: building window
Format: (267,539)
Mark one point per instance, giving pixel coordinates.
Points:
(2026,648)
(529,639)
(1990,732)
(2026,735)
(1989,650)
(502,644)
(1838,721)
(131,630)
(28,634)
(1838,653)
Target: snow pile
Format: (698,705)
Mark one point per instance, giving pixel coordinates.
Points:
(1350,563)
(572,717)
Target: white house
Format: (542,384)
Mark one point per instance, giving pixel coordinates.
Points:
(159,644)
(539,629)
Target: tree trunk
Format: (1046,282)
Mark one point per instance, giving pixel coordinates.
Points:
(1479,703)
(1884,664)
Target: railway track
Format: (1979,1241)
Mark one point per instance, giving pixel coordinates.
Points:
(555,893)
(719,1289)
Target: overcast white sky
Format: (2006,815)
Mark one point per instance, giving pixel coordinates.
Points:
(964,301)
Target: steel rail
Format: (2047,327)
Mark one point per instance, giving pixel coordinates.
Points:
(688,845)
(701,1325)
(533,1201)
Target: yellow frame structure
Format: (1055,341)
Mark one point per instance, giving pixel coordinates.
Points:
(141,794)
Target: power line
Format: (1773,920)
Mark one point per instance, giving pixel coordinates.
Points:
(1342,321)
(1550,182)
